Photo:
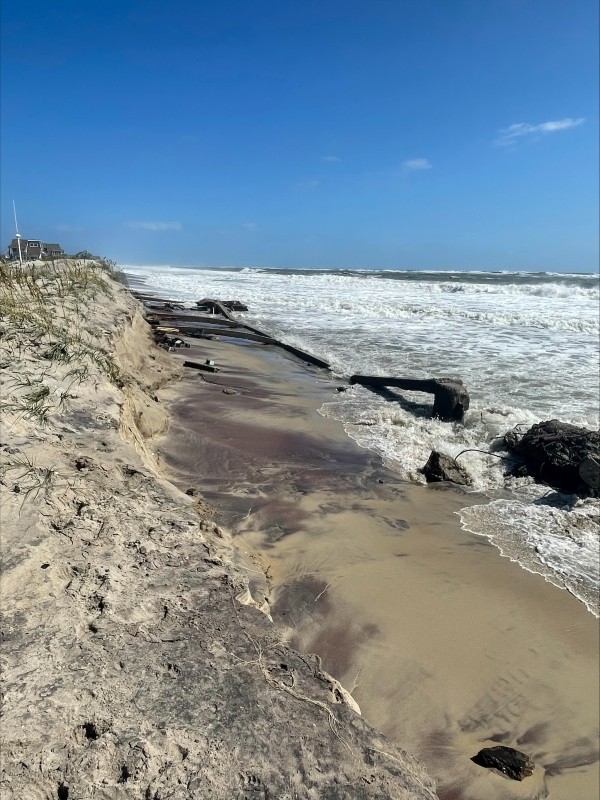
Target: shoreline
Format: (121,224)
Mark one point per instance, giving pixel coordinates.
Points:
(275,413)
(136,662)
(364,327)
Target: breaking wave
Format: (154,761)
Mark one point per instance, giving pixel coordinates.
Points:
(525,345)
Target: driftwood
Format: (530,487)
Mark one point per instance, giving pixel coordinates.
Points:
(209,304)
(155,317)
(301,354)
(230,332)
(203,367)
(451,398)
(152,306)
(150,298)
(224,319)
(234,305)
(214,306)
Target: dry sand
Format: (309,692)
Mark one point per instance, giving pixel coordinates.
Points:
(135,665)
(446,646)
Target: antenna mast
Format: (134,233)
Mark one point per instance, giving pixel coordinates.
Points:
(18,235)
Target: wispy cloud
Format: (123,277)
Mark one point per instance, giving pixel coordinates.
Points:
(510,135)
(155,226)
(331,158)
(417,163)
(250,226)
(307,184)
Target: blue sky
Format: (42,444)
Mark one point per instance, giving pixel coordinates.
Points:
(439,134)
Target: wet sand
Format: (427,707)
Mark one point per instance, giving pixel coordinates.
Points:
(446,646)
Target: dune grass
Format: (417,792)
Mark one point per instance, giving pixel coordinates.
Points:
(46,344)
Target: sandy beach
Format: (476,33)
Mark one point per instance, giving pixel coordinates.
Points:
(300,400)
(136,663)
(446,646)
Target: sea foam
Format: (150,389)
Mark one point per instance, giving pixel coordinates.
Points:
(525,345)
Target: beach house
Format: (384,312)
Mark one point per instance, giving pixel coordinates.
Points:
(33,248)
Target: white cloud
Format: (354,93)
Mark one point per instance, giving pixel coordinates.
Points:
(417,163)
(155,226)
(510,135)
(331,158)
(308,184)
(251,226)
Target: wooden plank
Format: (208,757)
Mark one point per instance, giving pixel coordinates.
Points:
(203,367)
(310,359)
(203,320)
(227,320)
(208,301)
(149,298)
(295,351)
(253,337)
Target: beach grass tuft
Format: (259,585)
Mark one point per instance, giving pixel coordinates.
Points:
(47,345)
(28,476)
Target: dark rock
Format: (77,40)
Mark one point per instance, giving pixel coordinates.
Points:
(518,471)
(510,762)
(440,467)
(564,456)
(589,472)
(512,439)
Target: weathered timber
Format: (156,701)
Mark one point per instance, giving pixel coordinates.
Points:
(295,351)
(451,399)
(234,305)
(310,359)
(149,298)
(157,316)
(203,367)
(152,306)
(224,319)
(209,304)
(214,306)
(234,334)
(143,296)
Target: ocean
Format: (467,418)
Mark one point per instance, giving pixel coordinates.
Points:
(524,344)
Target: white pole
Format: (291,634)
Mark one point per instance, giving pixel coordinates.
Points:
(18,237)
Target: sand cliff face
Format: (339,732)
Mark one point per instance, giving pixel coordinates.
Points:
(133,665)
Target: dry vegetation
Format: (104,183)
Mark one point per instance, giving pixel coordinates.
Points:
(46,349)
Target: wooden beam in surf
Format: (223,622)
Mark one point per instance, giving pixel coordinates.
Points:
(451,398)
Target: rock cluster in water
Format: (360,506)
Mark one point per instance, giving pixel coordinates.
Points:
(564,456)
